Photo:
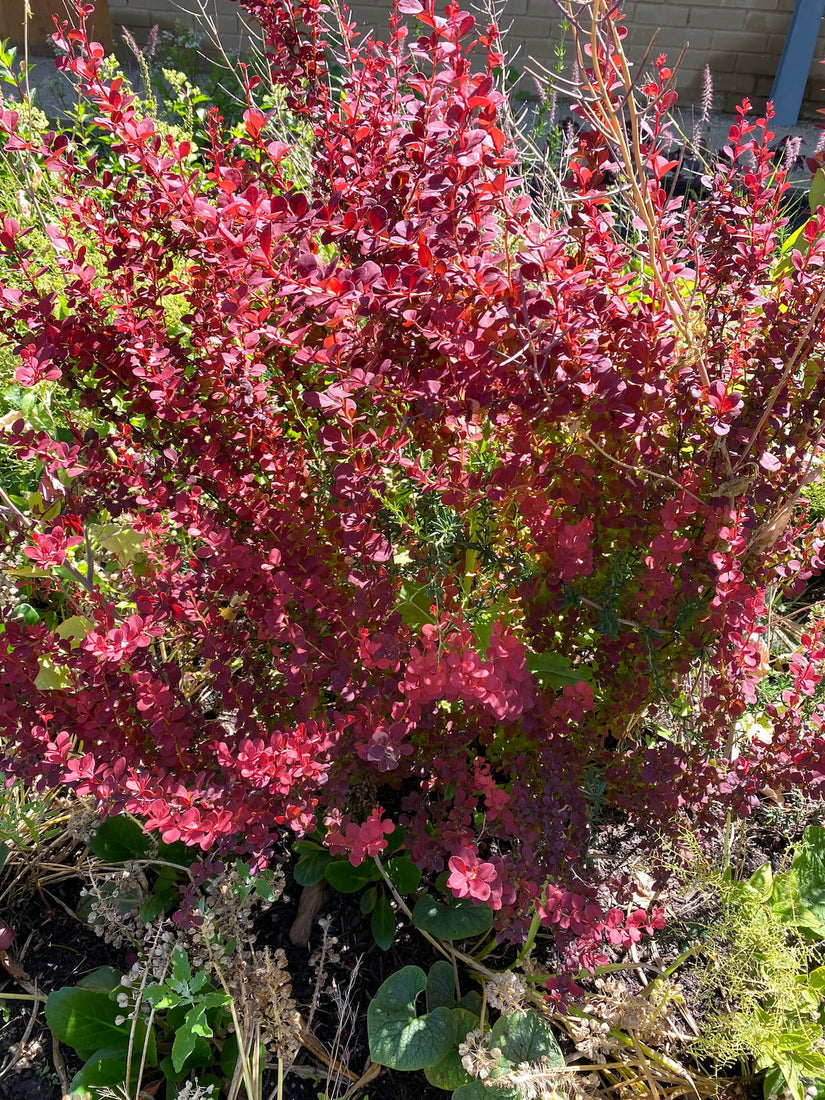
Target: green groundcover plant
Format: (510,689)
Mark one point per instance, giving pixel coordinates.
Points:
(348,494)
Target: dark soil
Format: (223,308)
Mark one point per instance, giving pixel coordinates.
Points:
(58,950)
(52,949)
(355,951)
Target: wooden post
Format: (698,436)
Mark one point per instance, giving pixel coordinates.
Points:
(41,24)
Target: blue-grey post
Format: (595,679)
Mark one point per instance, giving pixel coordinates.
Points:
(795,63)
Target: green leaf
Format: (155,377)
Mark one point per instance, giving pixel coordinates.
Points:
(383,923)
(773,1083)
(103,980)
(119,838)
(809,865)
(229,1056)
(761,881)
(177,853)
(345,878)
(76,628)
(554,670)
(449,1072)
(816,197)
(787,907)
(264,887)
(368,900)
(163,897)
(84,1019)
(472,1001)
(123,543)
(4,854)
(203,1054)
(440,986)
(403,874)
(185,1039)
(181,970)
(197,1023)
(394,840)
(458,919)
(400,1039)
(313,860)
(415,603)
(50,678)
(106,1066)
(161,996)
(26,614)
(474,1090)
(524,1037)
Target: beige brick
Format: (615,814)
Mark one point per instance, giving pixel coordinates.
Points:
(528,27)
(729,19)
(756,64)
(670,40)
(767,22)
(762,89)
(728,81)
(661,15)
(738,42)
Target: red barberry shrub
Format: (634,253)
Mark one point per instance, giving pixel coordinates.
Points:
(364,479)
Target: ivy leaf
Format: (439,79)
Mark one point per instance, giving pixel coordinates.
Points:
(398,1037)
(455,920)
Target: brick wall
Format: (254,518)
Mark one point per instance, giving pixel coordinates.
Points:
(741,40)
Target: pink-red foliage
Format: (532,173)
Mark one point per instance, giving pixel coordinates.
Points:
(618,435)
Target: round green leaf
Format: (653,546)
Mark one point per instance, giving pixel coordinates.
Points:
(474,1090)
(345,878)
(119,838)
(454,920)
(440,985)
(84,1019)
(312,862)
(524,1037)
(104,1067)
(403,874)
(449,1072)
(383,923)
(103,980)
(399,1038)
